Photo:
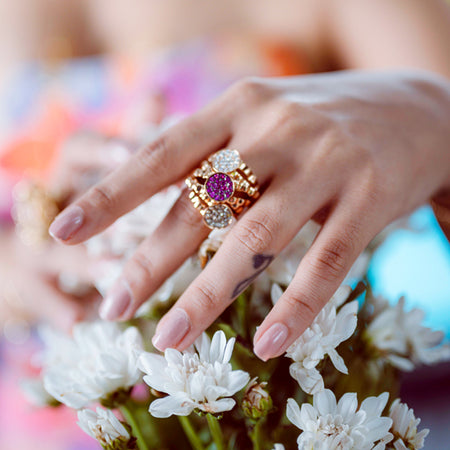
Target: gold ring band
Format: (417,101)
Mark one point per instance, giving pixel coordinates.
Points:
(222,187)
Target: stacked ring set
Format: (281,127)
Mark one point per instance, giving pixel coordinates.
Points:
(222,187)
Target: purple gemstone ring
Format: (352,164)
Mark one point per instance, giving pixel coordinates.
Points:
(222,187)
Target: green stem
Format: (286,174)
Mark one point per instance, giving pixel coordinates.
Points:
(241,309)
(190,433)
(129,416)
(216,431)
(255,435)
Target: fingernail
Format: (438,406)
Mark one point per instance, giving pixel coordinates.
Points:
(116,302)
(67,223)
(174,328)
(271,342)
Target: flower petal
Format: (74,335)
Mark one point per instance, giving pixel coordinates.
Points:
(325,402)
(347,405)
(293,413)
(180,405)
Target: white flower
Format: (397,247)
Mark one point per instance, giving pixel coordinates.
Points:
(34,391)
(278,447)
(327,331)
(402,339)
(201,380)
(102,425)
(328,425)
(100,360)
(404,428)
(284,266)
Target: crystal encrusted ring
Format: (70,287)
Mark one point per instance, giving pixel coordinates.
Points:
(222,187)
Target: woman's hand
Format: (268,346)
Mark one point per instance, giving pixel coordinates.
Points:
(60,277)
(354,150)
(31,283)
(84,160)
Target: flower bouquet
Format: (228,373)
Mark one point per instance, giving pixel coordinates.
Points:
(335,388)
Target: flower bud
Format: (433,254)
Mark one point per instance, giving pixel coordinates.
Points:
(257,402)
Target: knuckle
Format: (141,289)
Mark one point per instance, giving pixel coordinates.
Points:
(256,233)
(288,110)
(332,260)
(332,141)
(141,267)
(206,296)
(298,305)
(102,198)
(155,156)
(249,90)
(286,119)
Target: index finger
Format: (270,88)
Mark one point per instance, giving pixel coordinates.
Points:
(163,162)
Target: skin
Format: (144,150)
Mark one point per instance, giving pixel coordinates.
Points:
(349,143)
(348,147)
(83,158)
(40,298)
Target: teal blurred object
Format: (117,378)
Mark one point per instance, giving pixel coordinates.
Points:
(416,263)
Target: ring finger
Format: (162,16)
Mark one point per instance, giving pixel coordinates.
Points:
(175,239)
(247,250)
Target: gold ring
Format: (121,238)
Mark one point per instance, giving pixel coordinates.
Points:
(222,187)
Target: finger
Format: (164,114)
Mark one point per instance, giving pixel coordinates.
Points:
(161,163)
(83,159)
(162,253)
(177,237)
(343,237)
(68,260)
(249,248)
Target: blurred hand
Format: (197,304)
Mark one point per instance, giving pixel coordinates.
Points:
(47,281)
(84,160)
(354,150)
(30,281)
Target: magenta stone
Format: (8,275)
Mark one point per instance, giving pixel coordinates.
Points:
(219,187)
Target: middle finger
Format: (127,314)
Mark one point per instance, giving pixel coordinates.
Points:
(175,239)
(247,250)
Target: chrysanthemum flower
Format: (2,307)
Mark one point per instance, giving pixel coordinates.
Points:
(401,338)
(404,428)
(200,378)
(327,331)
(96,363)
(327,425)
(104,426)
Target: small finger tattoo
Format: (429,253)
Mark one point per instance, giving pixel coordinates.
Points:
(260,263)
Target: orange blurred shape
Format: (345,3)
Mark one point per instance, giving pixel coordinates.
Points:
(283,59)
(33,152)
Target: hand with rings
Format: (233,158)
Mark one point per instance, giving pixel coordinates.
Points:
(352,150)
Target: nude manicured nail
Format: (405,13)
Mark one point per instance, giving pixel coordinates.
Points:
(67,223)
(174,328)
(271,342)
(116,302)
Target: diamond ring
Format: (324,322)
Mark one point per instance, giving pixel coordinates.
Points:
(222,187)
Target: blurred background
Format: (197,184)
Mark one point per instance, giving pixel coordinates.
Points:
(83,83)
